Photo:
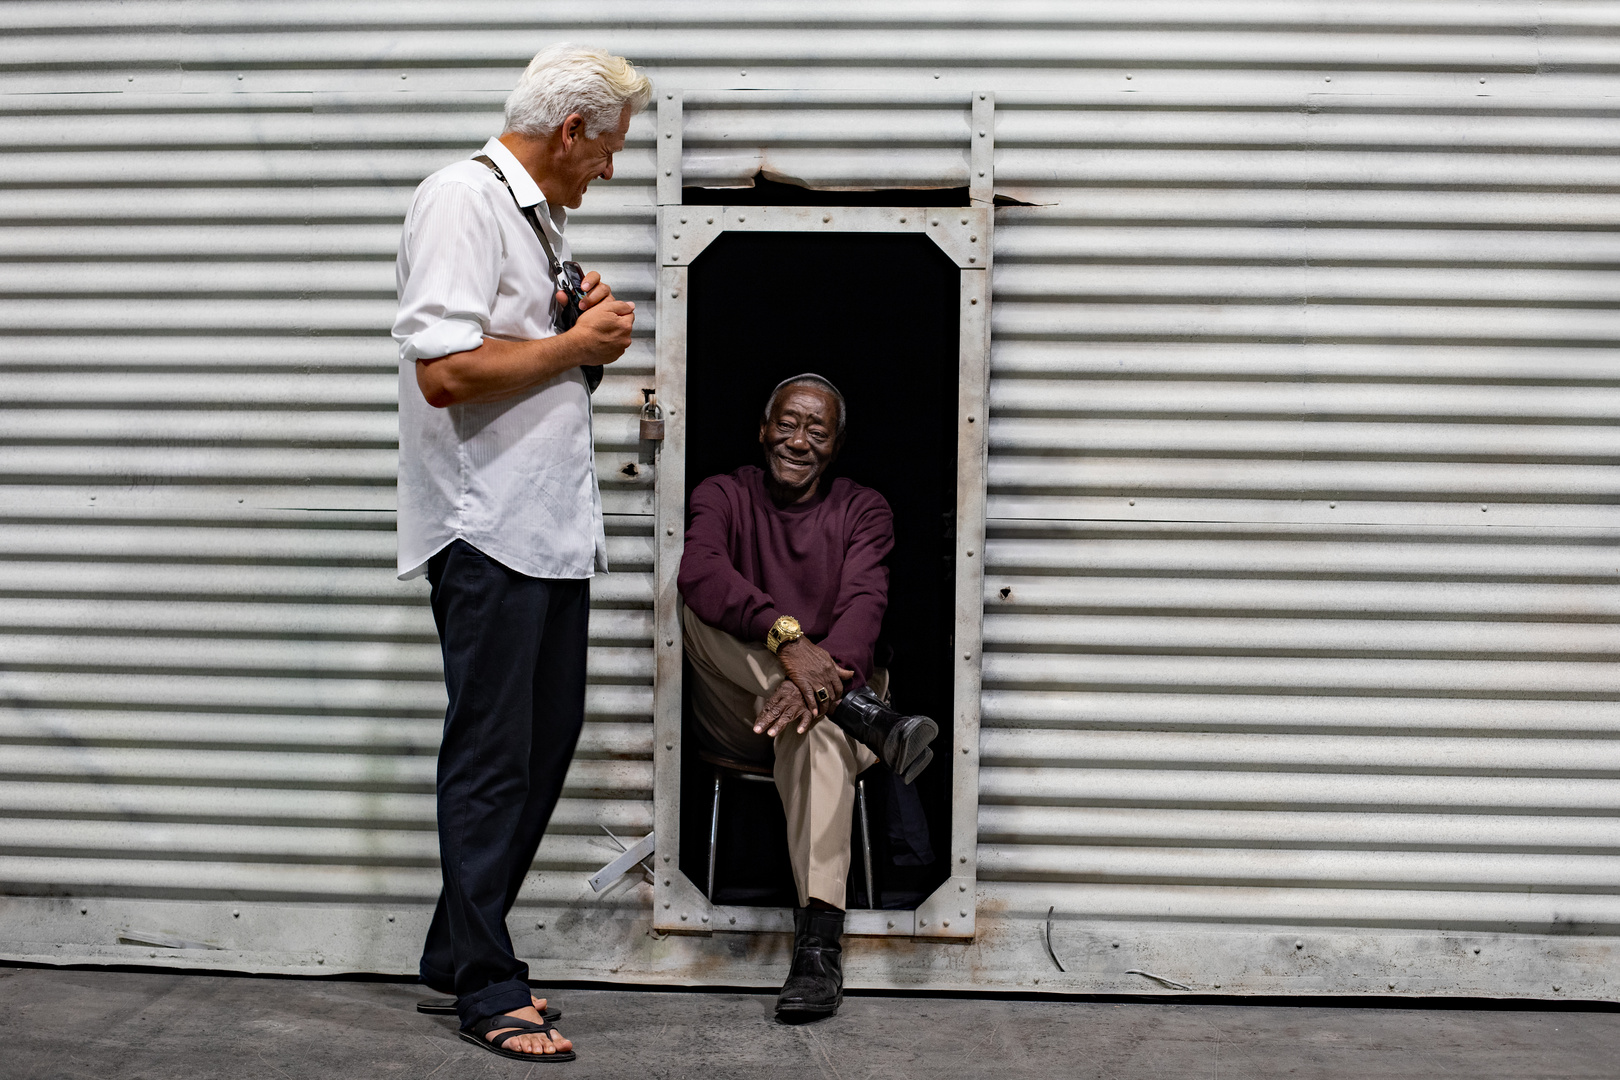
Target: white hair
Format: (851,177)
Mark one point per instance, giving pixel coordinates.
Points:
(567,79)
(809,378)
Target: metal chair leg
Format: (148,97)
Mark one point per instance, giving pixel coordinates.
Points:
(866,844)
(714,832)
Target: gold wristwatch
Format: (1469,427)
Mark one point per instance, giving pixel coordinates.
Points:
(782,631)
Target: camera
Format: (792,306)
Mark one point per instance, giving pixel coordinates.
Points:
(571,283)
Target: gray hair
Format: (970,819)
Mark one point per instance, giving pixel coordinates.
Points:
(808,379)
(567,79)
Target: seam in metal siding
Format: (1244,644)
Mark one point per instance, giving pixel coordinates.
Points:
(1301,584)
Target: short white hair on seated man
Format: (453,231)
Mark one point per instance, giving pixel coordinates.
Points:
(567,79)
(807,379)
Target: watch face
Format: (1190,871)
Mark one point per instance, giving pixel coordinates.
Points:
(784,630)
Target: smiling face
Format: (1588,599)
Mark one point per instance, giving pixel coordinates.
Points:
(800,438)
(580,160)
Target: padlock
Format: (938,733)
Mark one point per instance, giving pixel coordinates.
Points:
(652,418)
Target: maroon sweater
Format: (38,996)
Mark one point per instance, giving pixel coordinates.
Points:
(748,563)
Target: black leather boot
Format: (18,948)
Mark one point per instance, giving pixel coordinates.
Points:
(900,742)
(815,984)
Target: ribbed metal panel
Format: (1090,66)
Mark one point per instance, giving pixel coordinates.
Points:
(1302,586)
(199,684)
(1303,589)
(214,687)
(863,141)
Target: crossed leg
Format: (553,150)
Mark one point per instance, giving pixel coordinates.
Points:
(815,772)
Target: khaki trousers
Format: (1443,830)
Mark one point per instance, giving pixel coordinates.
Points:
(815,772)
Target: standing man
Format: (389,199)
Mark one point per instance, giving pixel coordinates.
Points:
(498,502)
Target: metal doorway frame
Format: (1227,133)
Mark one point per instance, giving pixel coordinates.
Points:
(964,235)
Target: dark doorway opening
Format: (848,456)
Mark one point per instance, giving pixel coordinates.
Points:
(878,315)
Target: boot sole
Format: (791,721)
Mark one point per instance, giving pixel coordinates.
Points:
(917,767)
(810,1010)
(913,745)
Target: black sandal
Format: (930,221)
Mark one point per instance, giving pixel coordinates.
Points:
(446,1006)
(478,1032)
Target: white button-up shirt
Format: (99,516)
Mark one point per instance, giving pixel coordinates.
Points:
(515,478)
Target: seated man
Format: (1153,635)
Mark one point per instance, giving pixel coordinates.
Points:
(785,587)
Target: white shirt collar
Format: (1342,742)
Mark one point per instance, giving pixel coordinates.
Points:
(523,186)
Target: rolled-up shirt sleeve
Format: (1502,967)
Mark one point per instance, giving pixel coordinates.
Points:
(449,272)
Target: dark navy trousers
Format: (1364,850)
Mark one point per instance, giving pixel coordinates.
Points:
(514,666)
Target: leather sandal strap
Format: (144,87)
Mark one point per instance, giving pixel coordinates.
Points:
(521,1027)
(500,1040)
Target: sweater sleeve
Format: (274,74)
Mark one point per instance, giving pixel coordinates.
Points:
(708,582)
(863,588)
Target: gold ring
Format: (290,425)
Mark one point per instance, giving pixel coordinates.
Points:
(822,697)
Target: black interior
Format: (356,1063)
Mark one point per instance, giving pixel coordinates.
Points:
(877,314)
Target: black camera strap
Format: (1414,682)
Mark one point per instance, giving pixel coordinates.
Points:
(592,372)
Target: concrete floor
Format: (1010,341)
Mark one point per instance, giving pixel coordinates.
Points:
(60,1025)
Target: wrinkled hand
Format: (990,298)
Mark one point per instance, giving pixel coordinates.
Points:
(784,708)
(604,329)
(810,667)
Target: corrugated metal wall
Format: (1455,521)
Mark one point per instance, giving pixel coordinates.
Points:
(1302,578)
